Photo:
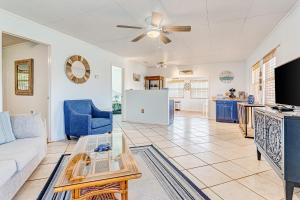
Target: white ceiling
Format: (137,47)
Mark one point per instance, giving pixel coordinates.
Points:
(222,30)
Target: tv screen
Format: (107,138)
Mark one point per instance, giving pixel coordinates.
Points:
(287,83)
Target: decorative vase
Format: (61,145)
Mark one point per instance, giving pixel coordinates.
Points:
(251,99)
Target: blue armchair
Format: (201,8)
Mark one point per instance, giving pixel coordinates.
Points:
(82,117)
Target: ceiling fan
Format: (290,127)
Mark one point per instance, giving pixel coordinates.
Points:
(164,64)
(155,29)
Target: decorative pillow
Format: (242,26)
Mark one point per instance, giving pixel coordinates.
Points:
(6,133)
(27,126)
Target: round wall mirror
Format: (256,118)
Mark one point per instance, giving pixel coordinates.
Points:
(77,69)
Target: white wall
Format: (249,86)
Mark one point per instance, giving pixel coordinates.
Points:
(286,34)
(211,72)
(17,104)
(134,67)
(154,102)
(63,46)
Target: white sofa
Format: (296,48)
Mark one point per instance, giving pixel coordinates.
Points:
(18,159)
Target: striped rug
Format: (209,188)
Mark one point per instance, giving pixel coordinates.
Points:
(161,180)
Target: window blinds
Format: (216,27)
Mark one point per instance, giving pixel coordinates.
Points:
(176,88)
(256,86)
(269,79)
(199,89)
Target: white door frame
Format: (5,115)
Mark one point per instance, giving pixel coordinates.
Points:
(122,89)
(49,78)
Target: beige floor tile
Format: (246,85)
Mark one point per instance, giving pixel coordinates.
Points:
(165,144)
(182,142)
(232,170)
(252,164)
(51,158)
(211,194)
(70,147)
(242,141)
(140,140)
(30,190)
(59,143)
(194,148)
(175,151)
(296,196)
(235,191)
(209,176)
(263,187)
(57,149)
(211,146)
(42,171)
(189,161)
(272,176)
(210,157)
(196,181)
(179,167)
(134,135)
(149,134)
(156,138)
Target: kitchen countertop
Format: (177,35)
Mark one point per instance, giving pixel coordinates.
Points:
(239,100)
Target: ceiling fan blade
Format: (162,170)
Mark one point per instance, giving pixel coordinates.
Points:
(156,18)
(139,37)
(176,28)
(165,39)
(125,26)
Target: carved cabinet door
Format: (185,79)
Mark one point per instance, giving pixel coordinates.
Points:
(260,134)
(274,141)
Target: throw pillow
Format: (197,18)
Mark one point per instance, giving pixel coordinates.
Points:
(27,126)
(6,133)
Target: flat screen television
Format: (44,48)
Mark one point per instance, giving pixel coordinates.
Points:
(287,83)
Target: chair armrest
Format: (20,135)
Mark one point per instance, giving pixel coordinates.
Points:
(80,123)
(101,114)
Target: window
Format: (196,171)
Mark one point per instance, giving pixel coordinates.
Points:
(176,88)
(269,64)
(199,89)
(263,79)
(256,86)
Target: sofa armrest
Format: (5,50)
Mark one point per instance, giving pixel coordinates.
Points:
(28,126)
(80,123)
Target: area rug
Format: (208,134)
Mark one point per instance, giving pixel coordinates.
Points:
(161,180)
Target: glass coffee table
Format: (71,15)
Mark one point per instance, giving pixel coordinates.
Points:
(98,175)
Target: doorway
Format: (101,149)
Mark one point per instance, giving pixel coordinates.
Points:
(117,90)
(25,67)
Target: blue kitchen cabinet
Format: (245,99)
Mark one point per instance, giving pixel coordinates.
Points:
(226,111)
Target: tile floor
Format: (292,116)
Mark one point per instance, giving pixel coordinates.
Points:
(213,155)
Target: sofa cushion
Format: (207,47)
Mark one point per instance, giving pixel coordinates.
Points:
(7,169)
(6,133)
(27,126)
(100,122)
(21,150)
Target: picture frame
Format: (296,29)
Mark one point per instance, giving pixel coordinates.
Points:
(136,77)
(24,77)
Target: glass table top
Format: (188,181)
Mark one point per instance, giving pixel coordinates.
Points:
(85,165)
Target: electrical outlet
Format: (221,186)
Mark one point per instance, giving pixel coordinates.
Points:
(142,110)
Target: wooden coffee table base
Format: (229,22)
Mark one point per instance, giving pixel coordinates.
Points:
(103,192)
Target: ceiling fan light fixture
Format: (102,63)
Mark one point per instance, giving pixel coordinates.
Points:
(153,33)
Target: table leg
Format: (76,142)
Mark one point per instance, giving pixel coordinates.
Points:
(289,190)
(124,189)
(75,194)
